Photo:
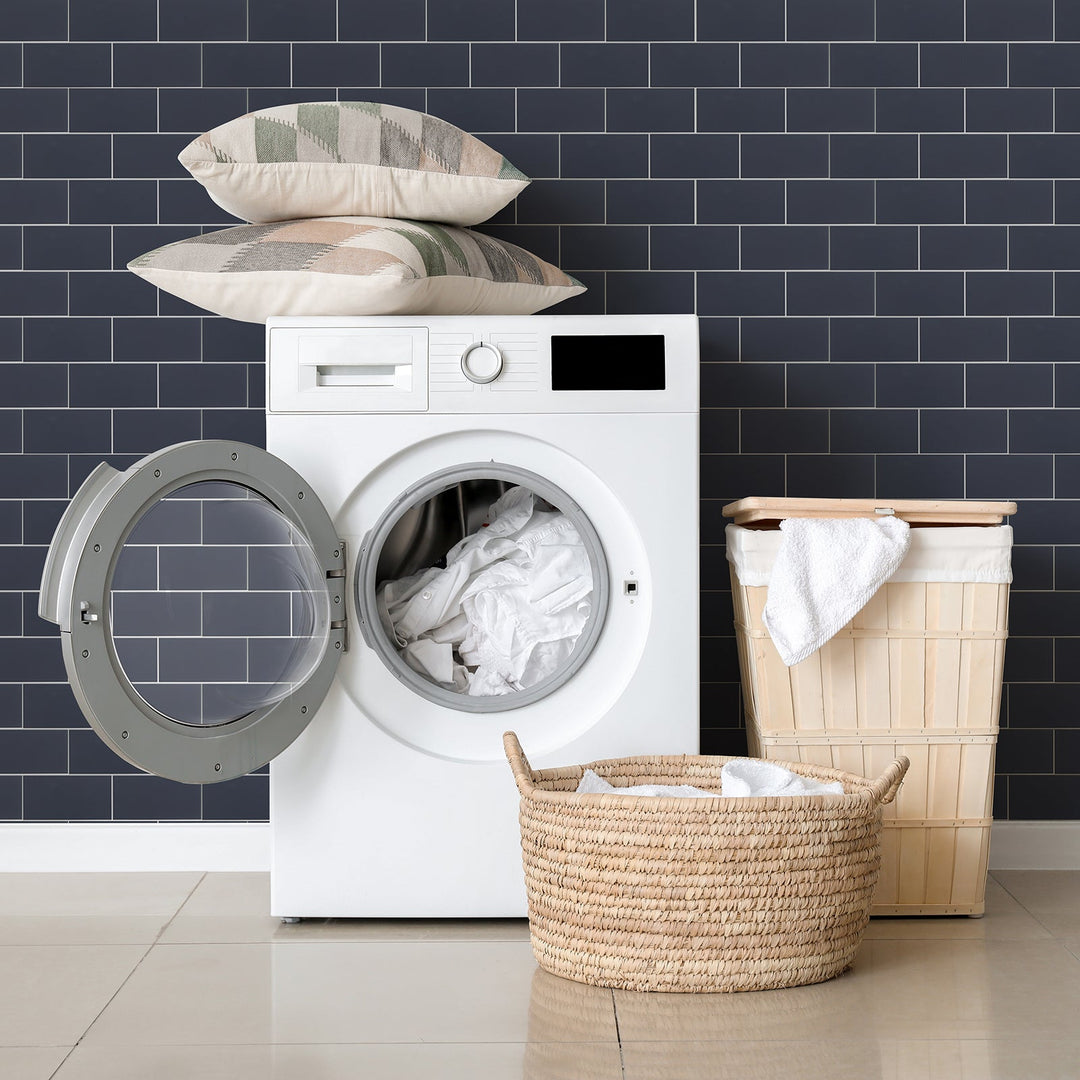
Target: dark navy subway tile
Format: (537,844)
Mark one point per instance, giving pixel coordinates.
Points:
(1043,65)
(43,474)
(66,247)
(630,292)
(964,65)
(114,20)
(246,425)
(194,109)
(829,201)
(1066,294)
(719,339)
(151,798)
(668,109)
(562,202)
(1066,744)
(691,247)
(536,155)
(1010,110)
(812,109)
(1066,108)
(156,339)
(1062,201)
(740,292)
(68,339)
(114,110)
(920,20)
(787,431)
(1008,201)
(1002,20)
(1050,247)
(724,475)
(114,386)
(785,155)
(93,292)
(1045,431)
(20,569)
(11,425)
(12,532)
(34,110)
(649,202)
(963,155)
(963,247)
(1066,385)
(214,20)
(1048,522)
(560,110)
(247,798)
(874,339)
(43,20)
(136,431)
(678,64)
(1010,476)
(719,432)
(785,65)
(146,157)
(32,202)
(830,20)
(830,386)
(1027,751)
(1044,339)
(37,292)
(1004,385)
(67,798)
(130,241)
(51,431)
(920,202)
(154,64)
(90,756)
(40,518)
(433,64)
(740,110)
(66,156)
(1033,705)
(920,386)
(30,751)
(344,64)
(1067,20)
(246,64)
(476,110)
(111,202)
(34,385)
(1010,293)
(784,247)
(11,63)
(607,156)
(870,64)
(268,97)
(11,247)
(280,20)
(677,155)
(47,64)
(920,476)
(830,292)
(874,431)
(1033,567)
(1039,156)
(226,339)
(11,335)
(788,339)
(32,659)
(742,385)
(735,20)
(558,20)
(644,20)
(920,110)
(874,247)
(923,292)
(874,155)
(513,63)
(11,155)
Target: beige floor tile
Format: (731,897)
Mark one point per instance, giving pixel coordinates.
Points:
(31,1062)
(81,929)
(349,992)
(375,1061)
(50,994)
(1005,920)
(94,894)
(1043,891)
(230,894)
(896,989)
(854,1059)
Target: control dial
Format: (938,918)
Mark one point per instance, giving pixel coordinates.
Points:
(481,362)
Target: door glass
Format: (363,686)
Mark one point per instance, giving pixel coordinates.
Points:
(218,606)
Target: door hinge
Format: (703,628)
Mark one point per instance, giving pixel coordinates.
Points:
(335,576)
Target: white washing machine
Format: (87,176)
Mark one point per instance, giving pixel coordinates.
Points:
(222,606)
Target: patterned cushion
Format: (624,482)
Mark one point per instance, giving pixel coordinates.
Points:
(327,158)
(354,266)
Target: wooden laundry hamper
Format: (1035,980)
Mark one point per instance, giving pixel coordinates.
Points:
(916,673)
(696,894)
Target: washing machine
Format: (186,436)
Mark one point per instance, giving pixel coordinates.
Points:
(223,607)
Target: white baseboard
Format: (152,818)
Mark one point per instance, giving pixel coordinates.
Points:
(1014,845)
(135,846)
(1035,845)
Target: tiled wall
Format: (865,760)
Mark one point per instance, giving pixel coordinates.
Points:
(873,208)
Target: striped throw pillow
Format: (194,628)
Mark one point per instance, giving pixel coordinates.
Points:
(328,158)
(354,266)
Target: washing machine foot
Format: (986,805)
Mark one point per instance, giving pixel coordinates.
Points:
(290,919)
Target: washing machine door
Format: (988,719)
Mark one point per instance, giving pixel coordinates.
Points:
(201,603)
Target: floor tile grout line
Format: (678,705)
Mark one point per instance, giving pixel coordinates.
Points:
(618,1035)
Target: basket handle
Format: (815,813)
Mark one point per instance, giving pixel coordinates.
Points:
(519,763)
(885,787)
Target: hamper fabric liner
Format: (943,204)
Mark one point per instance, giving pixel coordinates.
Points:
(696,894)
(917,673)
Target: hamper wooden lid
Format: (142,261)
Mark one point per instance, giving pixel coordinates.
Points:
(766,511)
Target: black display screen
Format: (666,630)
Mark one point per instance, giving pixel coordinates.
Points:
(607,362)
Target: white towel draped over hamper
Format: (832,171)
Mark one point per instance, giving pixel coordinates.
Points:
(916,672)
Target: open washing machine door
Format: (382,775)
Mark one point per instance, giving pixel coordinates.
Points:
(201,603)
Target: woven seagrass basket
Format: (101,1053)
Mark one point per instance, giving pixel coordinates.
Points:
(696,895)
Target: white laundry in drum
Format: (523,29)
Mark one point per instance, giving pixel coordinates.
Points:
(507,609)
